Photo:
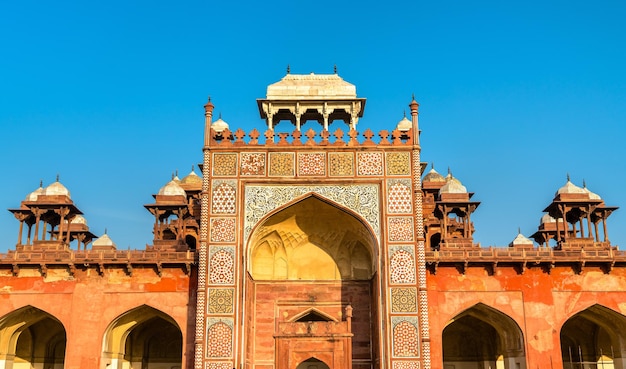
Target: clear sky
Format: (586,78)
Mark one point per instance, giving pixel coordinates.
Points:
(513,95)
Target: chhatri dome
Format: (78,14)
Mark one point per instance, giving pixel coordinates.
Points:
(172,188)
(56,189)
(191,178)
(568,188)
(104,240)
(433,176)
(452,185)
(35,194)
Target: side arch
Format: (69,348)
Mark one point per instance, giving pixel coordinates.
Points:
(31,337)
(483,336)
(142,338)
(595,336)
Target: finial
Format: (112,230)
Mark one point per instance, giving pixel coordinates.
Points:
(335,68)
(519,230)
(172,176)
(405,113)
(413,96)
(176,172)
(192,166)
(568,177)
(432,165)
(41,183)
(584,183)
(220,117)
(449,171)
(288,69)
(105,231)
(57,177)
(209,99)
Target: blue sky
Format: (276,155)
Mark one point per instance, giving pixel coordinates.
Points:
(513,95)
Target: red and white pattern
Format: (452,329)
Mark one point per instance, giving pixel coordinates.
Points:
(405,338)
(220,340)
(398,163)
(222,265)
(406,365)
(311,164)
(223,200)
(219,365)
(252,164)
(399,197)
(224,164)
(223,230)
(400,229)
(402,265)
(370,163)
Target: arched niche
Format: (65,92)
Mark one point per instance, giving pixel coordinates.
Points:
(482,336)
(32,338)
(143,338)
(595,337)
(312,363)
(311,239)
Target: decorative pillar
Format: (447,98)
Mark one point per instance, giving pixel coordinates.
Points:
(208,116)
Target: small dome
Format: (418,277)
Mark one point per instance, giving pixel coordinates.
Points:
(191,178)
(452,185)
(219,125)
(56,188)
(172,189)
(569,187)
(79,219)
(546,218)
(433,176)
(404,125)
(520,239)
(104,240)
(35,194)
(592,196)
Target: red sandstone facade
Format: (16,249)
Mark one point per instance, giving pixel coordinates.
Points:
(300,248)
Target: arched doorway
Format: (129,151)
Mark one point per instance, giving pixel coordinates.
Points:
(482,337)
(594,338)
(143,338)
(312,363)
(31,338)
(312,287)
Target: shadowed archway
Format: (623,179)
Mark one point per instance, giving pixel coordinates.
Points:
(31,338)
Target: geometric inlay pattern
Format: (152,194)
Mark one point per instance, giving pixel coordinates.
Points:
(224,164)
(399,196)
(406,365)
(370,163)
(224,365)
(403,300)
(223,229)
(398,163)
(282,164)
(223,200)
(401,264)
(405,337)
(341,164)
(400,228)
(252,164)
(222,265)
(260,200)
(311,164)
(219,338)
(221,300)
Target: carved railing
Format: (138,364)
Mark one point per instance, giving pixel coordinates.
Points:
(540,255)
(338,138)
(97,256)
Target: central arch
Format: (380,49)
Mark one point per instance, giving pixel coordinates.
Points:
(312,274)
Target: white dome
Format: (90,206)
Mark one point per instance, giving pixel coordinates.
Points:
(56,188)
(569,187)
(546,218)
(79,219)
(452,185)
(404,125)
(592,196)
(219,125)
(520,239)
(35,194)
(172,189)
(104,240)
